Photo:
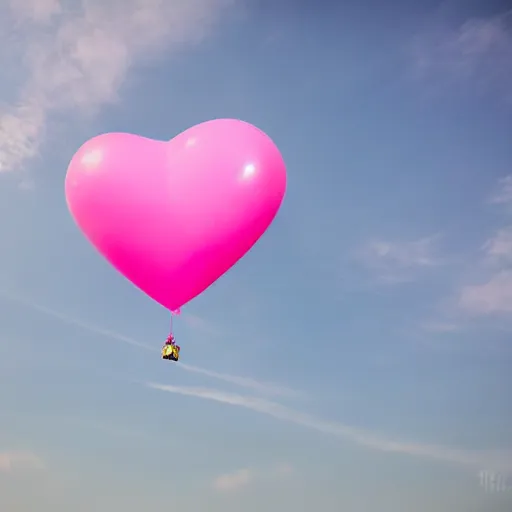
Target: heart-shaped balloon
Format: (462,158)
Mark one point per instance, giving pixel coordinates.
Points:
(174,216)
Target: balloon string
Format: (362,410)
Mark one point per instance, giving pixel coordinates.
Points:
(171,325)
(173,313)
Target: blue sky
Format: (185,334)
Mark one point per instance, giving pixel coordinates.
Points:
(359,357)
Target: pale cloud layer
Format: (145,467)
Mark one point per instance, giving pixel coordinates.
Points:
(38,11)
(441,327)
(473,460)
(76,55)
(12,461)
(234,480)
(498,248)
(503,193)
(485,290)
(400,261)
(241,478)
(494,294)
(477,53)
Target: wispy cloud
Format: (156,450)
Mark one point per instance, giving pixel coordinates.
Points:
(474,460)
(267,388)
(494,296)
(241,478)
(233,481)
(477,53)
(503,194)
(399,261)
(486,288)
(283,469)
(19,460)
(498,248)
(200,324)
(76,55)
(442,327)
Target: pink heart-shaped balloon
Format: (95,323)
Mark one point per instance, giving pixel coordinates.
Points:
(174,216)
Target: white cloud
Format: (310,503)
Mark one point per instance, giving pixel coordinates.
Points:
(399,261)
(442,327)
(489,290)
(503,195)
(11,461)
(235,480)
(476,53)
(494,296)
(471,459)
(75,55)
(246,382)
(498,249)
